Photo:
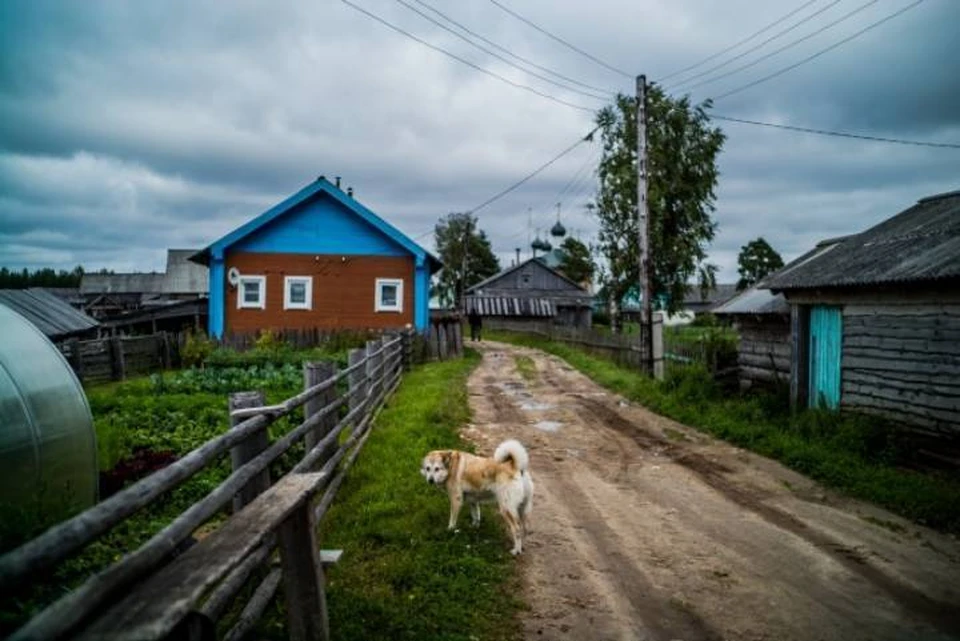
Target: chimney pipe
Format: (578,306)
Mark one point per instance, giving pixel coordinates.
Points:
(518,255)
(350,191)
(337,183)
(321,177)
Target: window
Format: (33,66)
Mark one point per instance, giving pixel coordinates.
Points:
(389,295)
(298,292)
(252,292)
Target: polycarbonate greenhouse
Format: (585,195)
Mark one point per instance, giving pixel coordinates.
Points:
(48,448)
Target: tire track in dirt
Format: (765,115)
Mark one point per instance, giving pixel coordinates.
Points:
(661,617)
(943,616)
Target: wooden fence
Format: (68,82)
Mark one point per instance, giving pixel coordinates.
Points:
(625,350)
(116,358)
(149,595)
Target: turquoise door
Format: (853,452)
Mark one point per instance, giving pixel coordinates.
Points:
(826,336)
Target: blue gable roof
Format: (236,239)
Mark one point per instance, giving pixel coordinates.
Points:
(266,233)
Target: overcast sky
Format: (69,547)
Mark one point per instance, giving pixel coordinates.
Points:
(128,128)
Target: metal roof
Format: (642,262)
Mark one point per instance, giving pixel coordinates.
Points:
(147,283)
(52,316)
(530,261)
(755,301)
(510,306)
(720,293)
(921,243)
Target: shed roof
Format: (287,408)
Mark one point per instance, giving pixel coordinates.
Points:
(184,276)
(143,283)
(530,261)
(921,243)
(320,186)
(52,316)
(754,301)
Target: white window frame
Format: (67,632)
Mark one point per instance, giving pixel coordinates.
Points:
(378,294)
(308,300)
(262,282)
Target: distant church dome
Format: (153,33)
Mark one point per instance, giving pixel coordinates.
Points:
(558,230)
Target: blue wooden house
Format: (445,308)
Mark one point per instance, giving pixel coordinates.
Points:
(319,259)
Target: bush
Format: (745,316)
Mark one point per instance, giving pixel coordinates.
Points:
(706,319)
(196,349)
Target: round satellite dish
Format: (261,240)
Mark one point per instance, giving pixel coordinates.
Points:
(233,276)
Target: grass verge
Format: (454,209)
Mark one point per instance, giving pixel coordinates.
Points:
(403,575)
(859,455)
(526,367)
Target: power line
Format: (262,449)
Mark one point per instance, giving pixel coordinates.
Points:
(464,61)
(498,56)
(819,53)
(734,46)
(501,194)
(841,134)
(783,48)
(562,41)
(510,53)
(740,55)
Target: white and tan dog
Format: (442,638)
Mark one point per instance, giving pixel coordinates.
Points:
(503,478)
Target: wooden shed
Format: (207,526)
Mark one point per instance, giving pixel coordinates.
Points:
(530,291)
(875,319)
(762,321)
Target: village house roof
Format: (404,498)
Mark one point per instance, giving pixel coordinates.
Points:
(318,187)
(921,243)
(754,301)
(52,316)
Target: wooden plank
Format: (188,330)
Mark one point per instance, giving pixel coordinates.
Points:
(223,594)
(939,385)
(938,416)
(902,362)
(154,607)
(253,611)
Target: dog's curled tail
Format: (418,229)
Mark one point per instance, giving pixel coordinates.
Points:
(514,451)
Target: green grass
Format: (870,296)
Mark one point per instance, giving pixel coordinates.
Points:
(859,455)
(403,575)
(526,367)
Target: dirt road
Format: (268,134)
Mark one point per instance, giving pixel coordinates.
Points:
(643,528)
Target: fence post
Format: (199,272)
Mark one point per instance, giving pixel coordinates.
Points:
(442,340)
(356,377)
(303,582)
(458,339)
(658,369)
(165,359)
(76,358)
(370,370)
(314,374)
(246,450)
(406,349)
(117,366)
(433,342)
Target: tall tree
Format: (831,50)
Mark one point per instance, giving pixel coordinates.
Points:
(682,150)
(577,263)
(757,259)
(466,255)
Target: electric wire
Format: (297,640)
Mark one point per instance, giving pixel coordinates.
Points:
(463,60)
(511,53)
(561,40)
(562,85)
(738,43)
(781,49)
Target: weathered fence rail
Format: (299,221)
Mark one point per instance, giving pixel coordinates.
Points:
(146,595)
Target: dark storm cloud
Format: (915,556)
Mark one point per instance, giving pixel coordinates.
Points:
(129,128)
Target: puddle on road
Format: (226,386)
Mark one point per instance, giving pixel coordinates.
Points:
(548,426)
(536,407)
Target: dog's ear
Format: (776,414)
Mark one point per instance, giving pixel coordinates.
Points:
(445,457)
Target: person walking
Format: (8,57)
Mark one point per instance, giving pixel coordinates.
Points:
(476,324)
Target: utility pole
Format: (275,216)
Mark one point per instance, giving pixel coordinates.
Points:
(463,264)
(643,227)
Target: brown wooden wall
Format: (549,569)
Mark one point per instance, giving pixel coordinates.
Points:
(343,291)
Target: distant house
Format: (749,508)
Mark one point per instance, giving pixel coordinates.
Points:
(319,259)
(762,321)
(531,291)
(694,302)
(699,302)
(52,315)
(876,318)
